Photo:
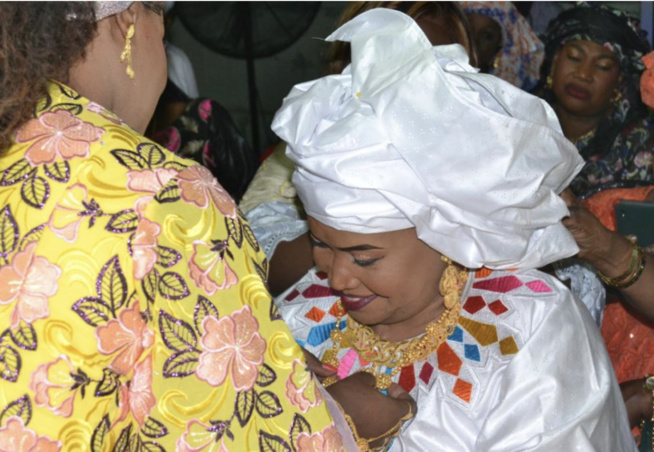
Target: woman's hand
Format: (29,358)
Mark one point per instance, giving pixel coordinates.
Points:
(372,412)
(638,401)
(318,368)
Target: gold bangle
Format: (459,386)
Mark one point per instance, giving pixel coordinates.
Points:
(633,273)
(364,443)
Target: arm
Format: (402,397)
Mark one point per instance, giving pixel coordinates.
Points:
(610,253)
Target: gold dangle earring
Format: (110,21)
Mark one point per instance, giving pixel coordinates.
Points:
(451,283)
(617,96)
(127,52)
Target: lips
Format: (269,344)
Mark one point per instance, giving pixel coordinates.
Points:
(354,303)
(577,92)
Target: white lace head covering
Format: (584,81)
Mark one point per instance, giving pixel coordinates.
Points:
(106,9)
(410,135)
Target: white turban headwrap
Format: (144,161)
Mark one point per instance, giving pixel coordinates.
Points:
(410,135)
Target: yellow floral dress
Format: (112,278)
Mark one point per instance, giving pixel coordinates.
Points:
(133,313)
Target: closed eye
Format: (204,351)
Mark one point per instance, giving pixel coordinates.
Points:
(366,262)
(317,243)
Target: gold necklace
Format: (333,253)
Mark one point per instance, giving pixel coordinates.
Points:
(584,137)
(397,355)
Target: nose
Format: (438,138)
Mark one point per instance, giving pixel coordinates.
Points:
(340,274)
(584,71)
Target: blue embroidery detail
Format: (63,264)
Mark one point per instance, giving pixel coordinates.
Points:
(457,335)
(472,352)
(320,333)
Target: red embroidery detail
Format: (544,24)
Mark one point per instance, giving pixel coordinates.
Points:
(538,286)
(315,314)
(462,389)
(474,304)
(407,378)
(321,275)
(503,284)
(291,296)
(497,307)
(448,361)
(316,291)
(425,373)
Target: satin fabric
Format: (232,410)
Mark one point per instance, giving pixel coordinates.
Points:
(554,390)
(409,135)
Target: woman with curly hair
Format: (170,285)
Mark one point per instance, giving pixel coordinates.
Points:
(133,308)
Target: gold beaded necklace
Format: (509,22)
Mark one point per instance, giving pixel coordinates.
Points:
(396,355)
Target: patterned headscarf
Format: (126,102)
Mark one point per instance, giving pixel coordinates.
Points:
(522,53)
(613,29)
(106,9)
(411,135)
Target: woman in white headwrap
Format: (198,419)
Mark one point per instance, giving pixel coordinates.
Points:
(432,196)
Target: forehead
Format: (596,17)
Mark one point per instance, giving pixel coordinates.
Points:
(343,239)
(591,48)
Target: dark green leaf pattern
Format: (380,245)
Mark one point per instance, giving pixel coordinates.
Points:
(93,311)
(9,233)
(268,405)
(74,109)
(172,286)
(153,428)
(21,407)
(35,191)
(167,256)
(272,443)
(24,336)
(108,384)
(176,333)
(131,160)
(249,236)
(58,171)
(300,425)
(33,236)
(99,434)
(123,440)
(235,230)
(150,284)
(123,221)
(266,376)
(112,285)
(244,406)
(170,193)
(203,308)
(152,154)
(175,165)
(9,363)
(17,172)
(181,364)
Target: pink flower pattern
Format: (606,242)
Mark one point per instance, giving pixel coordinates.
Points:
(128,336)
(328,440)
(301,389)
(57,134)
(14,437)
(150,182)
(70,212)
(199,187)
(28,281)
(232,345)
(52,384)
(138,398)
(144,247)
(197,437)
(209,268)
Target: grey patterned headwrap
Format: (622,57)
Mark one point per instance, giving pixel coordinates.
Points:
(106,9)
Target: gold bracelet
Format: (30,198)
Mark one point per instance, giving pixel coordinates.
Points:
(364,444)
(633,273)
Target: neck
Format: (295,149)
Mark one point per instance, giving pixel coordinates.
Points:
(413,326)
(575,126)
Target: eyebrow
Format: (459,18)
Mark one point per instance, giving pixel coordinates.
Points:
(582,50)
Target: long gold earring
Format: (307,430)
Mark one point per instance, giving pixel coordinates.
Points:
(451,284)
(549,81)
(127,52)
(617,96)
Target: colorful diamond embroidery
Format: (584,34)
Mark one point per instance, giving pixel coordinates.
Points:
(503,284)
(483,273)
(538,286)
(448,361)
(457,335)
(321,275)
(462,389)
(334,310)
(316,314)
(471,351)
(319,334)
(291,296)
(407,378)
(484,333)
(474,304)
(508,346)
(316,291)
(425,373)
(497,307)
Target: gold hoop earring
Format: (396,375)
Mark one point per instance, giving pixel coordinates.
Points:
(127,52)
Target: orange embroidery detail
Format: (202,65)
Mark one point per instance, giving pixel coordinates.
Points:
(463,390)
(334,310)
(448,361)
(315,314)
(483,272)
